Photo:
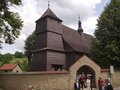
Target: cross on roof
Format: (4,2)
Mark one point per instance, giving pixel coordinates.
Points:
(48,4)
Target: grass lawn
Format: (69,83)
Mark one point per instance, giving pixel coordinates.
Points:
(21,61)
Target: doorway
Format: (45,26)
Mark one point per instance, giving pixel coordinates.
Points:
(89,72)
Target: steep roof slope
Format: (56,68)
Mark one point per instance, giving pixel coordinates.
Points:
(79,43)
(49,13)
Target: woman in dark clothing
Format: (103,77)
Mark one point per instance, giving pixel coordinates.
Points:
(77,85)
(108,85)
(82,80)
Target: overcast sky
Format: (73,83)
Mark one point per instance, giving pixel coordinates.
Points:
(66,10)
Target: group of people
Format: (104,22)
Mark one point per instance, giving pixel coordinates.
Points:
(104,85)
(81,82)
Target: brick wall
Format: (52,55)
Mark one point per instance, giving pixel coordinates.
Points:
(115,77)
(39,80)
(54,80)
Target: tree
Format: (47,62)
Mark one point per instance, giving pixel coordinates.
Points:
(105,48)
(10,22)
(6,58)
(29,46)
(24,65)
(19,54)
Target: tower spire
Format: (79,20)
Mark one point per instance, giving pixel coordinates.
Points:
(79,22)
(79,25)
(48,4)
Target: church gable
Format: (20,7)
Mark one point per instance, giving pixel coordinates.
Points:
(84,60)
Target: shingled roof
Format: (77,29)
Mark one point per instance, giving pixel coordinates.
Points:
(49,13)
(79,43)
(8,67)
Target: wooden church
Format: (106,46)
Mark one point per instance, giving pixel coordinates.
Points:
(57,46)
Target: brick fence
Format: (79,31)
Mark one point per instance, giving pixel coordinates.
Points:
(57,80)
(54,80)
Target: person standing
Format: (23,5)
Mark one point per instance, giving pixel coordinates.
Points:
(108,85)
(88,82)
(77,85)
(100,83)
(82,80)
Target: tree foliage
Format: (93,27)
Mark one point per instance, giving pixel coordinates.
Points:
(24,65)
(106,45)
(19,54)
(6,58)
(10,22)
(29,45)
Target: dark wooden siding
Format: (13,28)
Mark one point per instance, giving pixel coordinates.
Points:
(54,57)
(54,41)
(71,58)
(54,25)
(67,48)
(41,25)
(39,61)
(41,41)
(71,55)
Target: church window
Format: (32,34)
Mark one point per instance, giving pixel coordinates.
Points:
(57,67)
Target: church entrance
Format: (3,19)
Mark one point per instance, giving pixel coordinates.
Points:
(88,73)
